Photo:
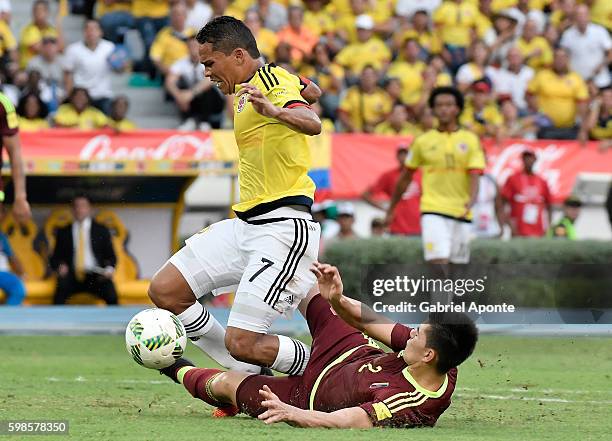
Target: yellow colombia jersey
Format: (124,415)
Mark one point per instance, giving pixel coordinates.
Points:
(273,159)
(446,160)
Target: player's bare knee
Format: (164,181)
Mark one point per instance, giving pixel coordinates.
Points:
(164,294)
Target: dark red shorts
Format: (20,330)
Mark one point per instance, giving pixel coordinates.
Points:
(331,337)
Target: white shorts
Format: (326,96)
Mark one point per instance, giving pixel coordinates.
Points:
(268,259)
(445,238)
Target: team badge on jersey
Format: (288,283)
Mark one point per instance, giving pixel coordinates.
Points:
(242,102)
(462,147)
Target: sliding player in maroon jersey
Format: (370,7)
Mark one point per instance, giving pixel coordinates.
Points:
(349,381)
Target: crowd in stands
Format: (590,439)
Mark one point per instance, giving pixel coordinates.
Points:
(529,68)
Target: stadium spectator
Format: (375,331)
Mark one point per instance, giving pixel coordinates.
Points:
(170,44)
(411,8)
(599,121)
(328,76)
(447,198)
(346,221)
(407,219)
(86,65)
(561,95)
(481,114)
(393,87)
(514,125)
(84,259)
(77,113)
(530,13)
(512,79)
(565,228)
(364,105)
(266,39)
(409,69)
(150,16)
(367,50)
(561,16)
(506,24)
(273,14)
(198,14)
(536,50)
(199,102)
(5,11)
(50,66)
(590,48)
(420,28)
(488,210)
(8,44)
(455,22)
(301,39)
(397,123)
(11,272)
(118,116)
(30,40)
(529,198)
(115,18)
(318,19)
(474,70)
(377,227)
(32,113)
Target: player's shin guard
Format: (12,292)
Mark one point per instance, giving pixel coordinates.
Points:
(292,357)
(198,383)
(207,334)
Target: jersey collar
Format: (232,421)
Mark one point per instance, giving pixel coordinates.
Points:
(419,388)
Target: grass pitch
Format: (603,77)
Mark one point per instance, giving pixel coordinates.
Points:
(511,389)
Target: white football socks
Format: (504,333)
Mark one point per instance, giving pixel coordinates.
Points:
(292,357)
(209,336)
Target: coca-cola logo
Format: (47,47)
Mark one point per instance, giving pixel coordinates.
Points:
(180,146)
(509,161)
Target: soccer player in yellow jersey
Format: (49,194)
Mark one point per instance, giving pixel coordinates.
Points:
(451,160)
(268,249)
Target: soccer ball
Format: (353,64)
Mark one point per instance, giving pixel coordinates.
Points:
(155,338)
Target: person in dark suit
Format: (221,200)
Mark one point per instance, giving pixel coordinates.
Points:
(83,258)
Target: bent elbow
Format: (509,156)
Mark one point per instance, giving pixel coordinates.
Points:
(315,129)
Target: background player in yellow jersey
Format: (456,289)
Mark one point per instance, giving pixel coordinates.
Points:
(452,160)
(268,249)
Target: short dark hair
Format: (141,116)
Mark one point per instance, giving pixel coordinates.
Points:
(446,90)
(79,196)
(226,34)
(453,335)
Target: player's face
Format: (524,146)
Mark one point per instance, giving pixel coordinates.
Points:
(222,70)
(416,348)
(445,108)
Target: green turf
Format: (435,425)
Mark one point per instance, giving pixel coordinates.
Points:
(511,389)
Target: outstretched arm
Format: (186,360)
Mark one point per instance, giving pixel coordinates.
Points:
(299,118)
(352,311)
(21,207)
(349,418)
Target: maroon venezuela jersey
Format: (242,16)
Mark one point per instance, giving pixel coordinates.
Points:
(380,384)
(9,124)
